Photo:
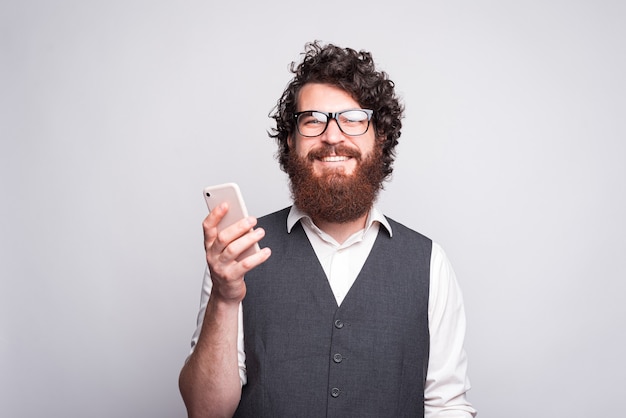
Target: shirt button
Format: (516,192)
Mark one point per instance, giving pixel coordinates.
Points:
(334,392)
(338,324)
(337,358)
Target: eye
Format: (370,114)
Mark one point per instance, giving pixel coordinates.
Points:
(313,118)
(353,116)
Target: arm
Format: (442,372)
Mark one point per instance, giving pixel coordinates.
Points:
(209,381)
(446,381)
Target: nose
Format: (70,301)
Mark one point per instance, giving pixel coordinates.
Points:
(333,134)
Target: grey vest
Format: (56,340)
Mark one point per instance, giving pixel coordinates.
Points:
(307,357)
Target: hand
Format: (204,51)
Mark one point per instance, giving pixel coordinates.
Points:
(223,249)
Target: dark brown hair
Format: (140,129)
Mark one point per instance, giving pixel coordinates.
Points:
(355,73)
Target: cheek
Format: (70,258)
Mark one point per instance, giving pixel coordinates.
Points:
(302,148)
(372,145)
(365,149)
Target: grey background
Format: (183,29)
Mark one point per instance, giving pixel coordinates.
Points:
(115,114)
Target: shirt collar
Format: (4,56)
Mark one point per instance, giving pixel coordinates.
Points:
(375,215)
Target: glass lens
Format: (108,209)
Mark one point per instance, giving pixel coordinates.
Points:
(312,123)
(353,122)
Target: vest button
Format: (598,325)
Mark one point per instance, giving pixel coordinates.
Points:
(337,358)
(338,324)
(334,392)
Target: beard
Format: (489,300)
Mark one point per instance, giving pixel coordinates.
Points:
(334,196)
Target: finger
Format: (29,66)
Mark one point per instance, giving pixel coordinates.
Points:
(210,223)
(243,244)
(255,259)
(238,269)
(234,232)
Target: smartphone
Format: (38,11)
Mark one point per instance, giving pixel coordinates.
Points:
(230,193)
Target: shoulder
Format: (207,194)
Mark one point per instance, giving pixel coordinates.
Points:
(279,215)
(404,232)
(275,226)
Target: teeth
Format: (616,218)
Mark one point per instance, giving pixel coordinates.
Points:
(334,158)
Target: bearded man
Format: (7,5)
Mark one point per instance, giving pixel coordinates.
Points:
(344,312)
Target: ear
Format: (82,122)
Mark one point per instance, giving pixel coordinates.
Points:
(291,141)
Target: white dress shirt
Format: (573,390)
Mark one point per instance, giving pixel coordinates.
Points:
(446,380)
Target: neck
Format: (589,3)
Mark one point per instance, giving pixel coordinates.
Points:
(341,231)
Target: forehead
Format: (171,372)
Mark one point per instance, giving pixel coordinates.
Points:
(324,97)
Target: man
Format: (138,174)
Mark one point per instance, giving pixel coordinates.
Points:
(353,315)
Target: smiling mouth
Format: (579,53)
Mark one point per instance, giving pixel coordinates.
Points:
(334,158)
(333,154)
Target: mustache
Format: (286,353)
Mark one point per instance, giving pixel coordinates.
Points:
(326,150)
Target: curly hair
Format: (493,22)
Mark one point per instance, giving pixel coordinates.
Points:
(353,72)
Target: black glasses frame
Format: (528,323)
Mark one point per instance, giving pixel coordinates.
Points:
(334,115)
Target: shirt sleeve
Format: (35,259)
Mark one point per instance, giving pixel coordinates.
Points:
(446,381)
(207,285)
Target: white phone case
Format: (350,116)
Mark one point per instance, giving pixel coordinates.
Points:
(230,193)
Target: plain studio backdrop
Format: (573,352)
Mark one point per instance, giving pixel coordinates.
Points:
(115,114)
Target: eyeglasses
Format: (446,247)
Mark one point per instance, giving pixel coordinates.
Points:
(352,122)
